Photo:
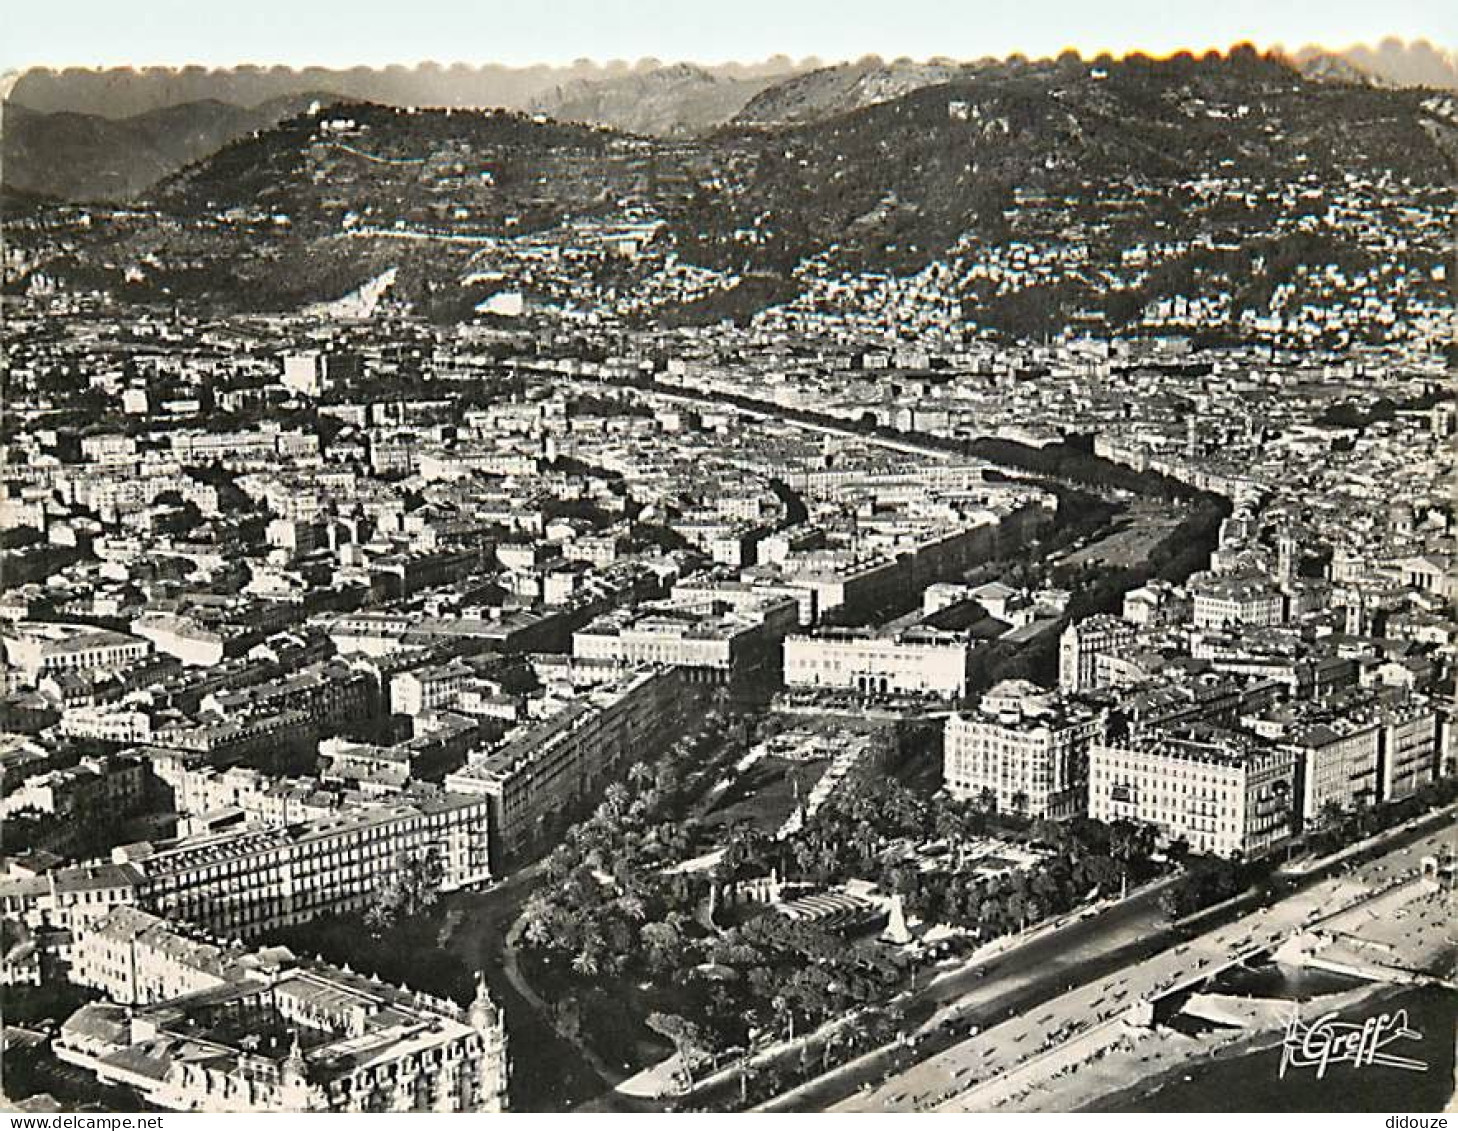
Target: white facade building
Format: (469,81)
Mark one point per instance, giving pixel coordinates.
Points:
(1227,601)
(926,664)
(1081,645)
(1219,790)
(1025,747)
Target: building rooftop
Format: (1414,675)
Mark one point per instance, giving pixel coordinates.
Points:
(1199,743)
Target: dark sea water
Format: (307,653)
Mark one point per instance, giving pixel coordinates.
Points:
(1251,1083)
(1288,983)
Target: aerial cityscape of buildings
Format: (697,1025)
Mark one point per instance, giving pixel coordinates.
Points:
(375,681)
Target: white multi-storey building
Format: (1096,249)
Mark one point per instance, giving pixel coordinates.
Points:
(1221,791)
(36,647)
(261,877)
(1083,643)
(918,662)
(1221,602)
(1339,760)
(135,958)
(1025,747)
(1409,757)
(106,724)
(109,448)
(708,639)
(427,688)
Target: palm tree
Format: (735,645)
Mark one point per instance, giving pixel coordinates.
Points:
(785,1010)
(641,775)
(536,919)
(586,963)
(615,799)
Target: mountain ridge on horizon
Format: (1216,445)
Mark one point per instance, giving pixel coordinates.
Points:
(122,92)
(72,156)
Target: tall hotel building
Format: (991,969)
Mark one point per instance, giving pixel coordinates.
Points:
(1024,746)
(1222,791)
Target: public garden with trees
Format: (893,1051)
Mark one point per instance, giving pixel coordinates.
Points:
(641,956)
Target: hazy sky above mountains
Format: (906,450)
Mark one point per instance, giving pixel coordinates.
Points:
(343,33)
